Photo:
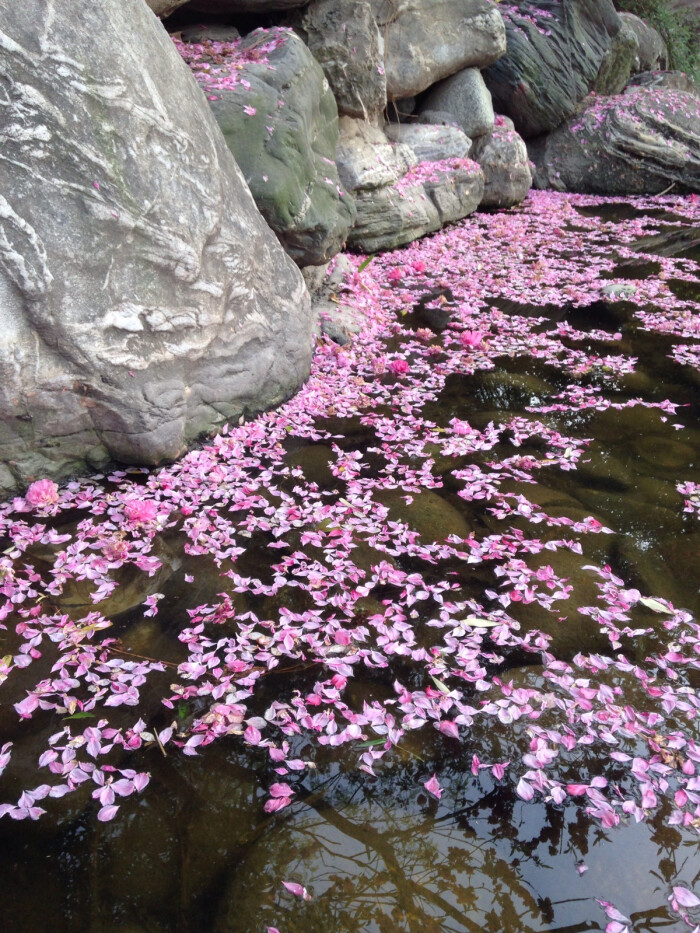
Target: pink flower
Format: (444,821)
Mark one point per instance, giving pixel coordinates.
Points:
(471,338)
(140,511)
(395,274)
(399,367)
(41,494)
(418,265)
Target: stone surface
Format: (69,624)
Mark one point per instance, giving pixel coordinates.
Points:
(652,54)
(280,121)
(618,63)
(555,51)
(245,6)
(366,159)
(165,7)
(466,97)
(210,33)
(430,143)
(427,40)
(640,142)
(336,315)
(503,157)
(398,198)
(143,298)
(674,80)
(345,40)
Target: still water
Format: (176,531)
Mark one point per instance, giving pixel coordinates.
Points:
(196,851)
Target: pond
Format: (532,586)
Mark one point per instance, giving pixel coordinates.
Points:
(417,651)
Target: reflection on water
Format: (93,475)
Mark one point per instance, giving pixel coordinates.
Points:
(197,852)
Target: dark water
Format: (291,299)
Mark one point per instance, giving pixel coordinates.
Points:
(196,852)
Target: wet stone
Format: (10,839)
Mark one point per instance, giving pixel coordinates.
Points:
(428,513)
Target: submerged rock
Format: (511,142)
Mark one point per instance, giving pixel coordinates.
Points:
(555,51)
(144,299)
(502,155)
(640,142)
(427,40)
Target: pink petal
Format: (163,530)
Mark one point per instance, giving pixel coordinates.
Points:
(433,787)
(107,813)
(685,897)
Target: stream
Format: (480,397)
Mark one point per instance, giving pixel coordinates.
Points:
(417,651)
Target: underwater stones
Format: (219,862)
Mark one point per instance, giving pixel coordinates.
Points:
(466,98)
(427,513)
(503,157)
(187,327)
(346,42)
(555,51)
(570,630)
(427,40)
(282,127)
(640,142)
(314,462)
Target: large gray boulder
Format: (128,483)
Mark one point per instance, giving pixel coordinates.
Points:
(503,157)
(280,121)
(640,142)
(466,97)
(427,40)
(143,299)
(345,40)
(398,197)
(652,54)
(555,52)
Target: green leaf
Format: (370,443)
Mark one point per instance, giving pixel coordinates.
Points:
(365,263)
(80,716)
(372,742)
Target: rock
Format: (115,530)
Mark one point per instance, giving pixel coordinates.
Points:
(437,118)
(345,40)
(366,159)
(652,54)
(555,51)
(503,157)
(280,121)
(466,97)
(640,142)
(674,80)
(244,6)
(169,308)
(427,40)
(338,319)
(209,33)
(427,513)
(430,143)
(618,63)
(165,7)
(397,198)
